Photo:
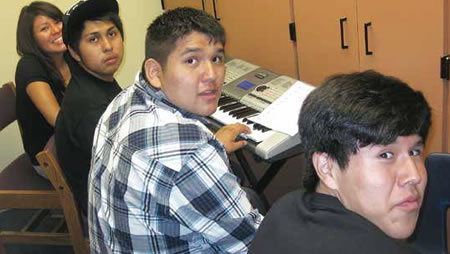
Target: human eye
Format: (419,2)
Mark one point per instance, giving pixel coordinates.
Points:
(112,33)
(191,61)
(386,155)
(43,28)
(415,152)
(92,39)
(217,59)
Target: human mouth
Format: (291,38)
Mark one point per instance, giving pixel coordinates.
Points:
(409,204)
(58,40)
(209,94)
(110,60)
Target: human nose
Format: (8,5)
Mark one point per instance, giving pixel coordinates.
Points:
(56,28)
(414,170)
(209,71)
(106,44)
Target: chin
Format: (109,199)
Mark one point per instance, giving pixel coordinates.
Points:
(401,232)
(206,112)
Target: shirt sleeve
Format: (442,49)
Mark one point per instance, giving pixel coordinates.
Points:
(29,70)
(208,199)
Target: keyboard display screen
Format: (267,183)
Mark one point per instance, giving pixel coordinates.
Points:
(245,85)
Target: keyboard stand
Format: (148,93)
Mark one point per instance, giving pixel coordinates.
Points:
(276,163)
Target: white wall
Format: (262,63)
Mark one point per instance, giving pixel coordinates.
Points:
(136,16)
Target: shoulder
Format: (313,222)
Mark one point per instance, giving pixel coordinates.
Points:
(29,59)
(29,69)
(30,64)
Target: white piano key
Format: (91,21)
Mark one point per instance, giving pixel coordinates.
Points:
(225,119)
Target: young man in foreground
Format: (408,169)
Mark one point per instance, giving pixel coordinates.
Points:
(160,180)
(363,135)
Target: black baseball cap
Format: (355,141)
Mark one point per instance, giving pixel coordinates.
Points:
(85,10)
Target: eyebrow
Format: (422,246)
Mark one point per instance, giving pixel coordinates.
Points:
(419,143)
(194,50)
(43,24)
(112,27)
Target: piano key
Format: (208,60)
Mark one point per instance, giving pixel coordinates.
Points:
(250,113)
(256,135)
(225,100)
(232,107)
(240,111)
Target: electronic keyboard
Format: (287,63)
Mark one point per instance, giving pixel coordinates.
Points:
(247,91)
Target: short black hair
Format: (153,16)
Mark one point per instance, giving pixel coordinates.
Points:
(77,31)
(88,10)
(166,29)
(350,111)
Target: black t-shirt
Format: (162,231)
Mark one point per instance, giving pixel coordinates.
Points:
(35,129)
(85,101)
(316,223)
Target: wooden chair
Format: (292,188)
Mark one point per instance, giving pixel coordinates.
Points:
(48,161)
(22,188)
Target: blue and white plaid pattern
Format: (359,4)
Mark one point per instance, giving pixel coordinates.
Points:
(160,183)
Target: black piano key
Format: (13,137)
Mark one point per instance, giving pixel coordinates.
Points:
(261,127)
(232,106)
(225,100)
(250,113)
(257,126)
(264,129)
(236,112)
(227,105)
(246,120)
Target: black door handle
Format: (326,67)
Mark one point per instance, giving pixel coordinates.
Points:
(366,38)
(203,5)
(215,10)
(341,21)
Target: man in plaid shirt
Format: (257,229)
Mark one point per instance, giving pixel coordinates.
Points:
(160,180)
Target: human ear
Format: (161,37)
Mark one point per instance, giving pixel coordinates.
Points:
(74,54)
(325,167)
(153,72)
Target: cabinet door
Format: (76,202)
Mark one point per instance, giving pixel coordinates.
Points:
(447,125)
(319,48)
(258,32)
(172,4)
(407,41)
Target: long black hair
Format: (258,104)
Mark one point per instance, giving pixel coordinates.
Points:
(26,43)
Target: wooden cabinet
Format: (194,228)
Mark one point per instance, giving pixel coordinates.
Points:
(319,45)
(257,30)
(171,4)
(402,38)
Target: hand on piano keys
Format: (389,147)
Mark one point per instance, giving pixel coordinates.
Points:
(228,136)
(230,111)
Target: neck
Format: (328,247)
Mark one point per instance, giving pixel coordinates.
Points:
(58,60)
(62,67)
(107,78)
(323,189)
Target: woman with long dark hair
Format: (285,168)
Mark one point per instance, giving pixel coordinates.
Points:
(41,74)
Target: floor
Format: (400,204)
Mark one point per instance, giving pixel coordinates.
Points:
(14,219)
(287,179)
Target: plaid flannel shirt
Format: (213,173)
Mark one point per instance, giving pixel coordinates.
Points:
(160,182)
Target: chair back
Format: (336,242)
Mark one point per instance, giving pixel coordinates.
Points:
(48,161)
(430,234)
(7,104)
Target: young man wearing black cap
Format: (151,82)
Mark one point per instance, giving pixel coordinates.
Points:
(93,32)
